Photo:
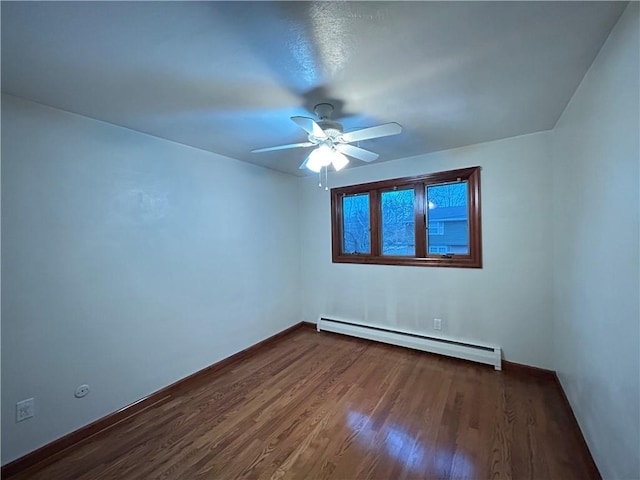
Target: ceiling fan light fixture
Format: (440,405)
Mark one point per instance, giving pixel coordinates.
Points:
(339,161)
(320,157)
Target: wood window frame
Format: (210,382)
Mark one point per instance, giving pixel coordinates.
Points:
(422,258)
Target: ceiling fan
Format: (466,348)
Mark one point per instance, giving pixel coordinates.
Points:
(332,142)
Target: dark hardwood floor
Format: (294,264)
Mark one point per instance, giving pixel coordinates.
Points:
(317,405)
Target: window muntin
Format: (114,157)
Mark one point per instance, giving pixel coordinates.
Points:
(446,202)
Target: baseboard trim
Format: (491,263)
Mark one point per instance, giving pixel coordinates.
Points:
(586,453)
(527,369)
(309,325)
(52,451)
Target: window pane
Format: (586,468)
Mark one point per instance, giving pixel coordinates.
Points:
(398,223)
(355,226)
(448,217)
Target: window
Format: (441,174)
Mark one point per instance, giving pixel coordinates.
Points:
(355,224)
(447,208)
(398,222)
(436,228)
(428,220)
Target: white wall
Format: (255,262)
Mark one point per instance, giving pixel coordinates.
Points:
(596,153)
(128,262)
(507,302)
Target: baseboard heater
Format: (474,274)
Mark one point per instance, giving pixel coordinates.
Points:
(475,352)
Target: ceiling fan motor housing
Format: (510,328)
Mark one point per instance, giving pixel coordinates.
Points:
(330,127)
(323,110)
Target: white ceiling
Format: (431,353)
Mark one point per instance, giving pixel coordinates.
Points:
(226,76)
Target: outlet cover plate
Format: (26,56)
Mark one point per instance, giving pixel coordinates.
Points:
(25,409)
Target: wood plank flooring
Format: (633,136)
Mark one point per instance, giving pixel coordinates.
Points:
(323,406)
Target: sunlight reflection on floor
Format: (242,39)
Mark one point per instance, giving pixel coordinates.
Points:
(414,453)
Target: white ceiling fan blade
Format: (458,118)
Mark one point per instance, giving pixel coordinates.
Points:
(283,147)
(310,126)
(357,152)
(303,165)
(383,130)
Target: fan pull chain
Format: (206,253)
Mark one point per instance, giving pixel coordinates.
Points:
(326,178)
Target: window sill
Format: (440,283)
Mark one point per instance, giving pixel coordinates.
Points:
(457,261)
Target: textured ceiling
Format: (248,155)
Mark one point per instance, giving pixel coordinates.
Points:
(226,76)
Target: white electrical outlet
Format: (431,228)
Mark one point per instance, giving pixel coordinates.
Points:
(437,324)
(25,409)
(82,391)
